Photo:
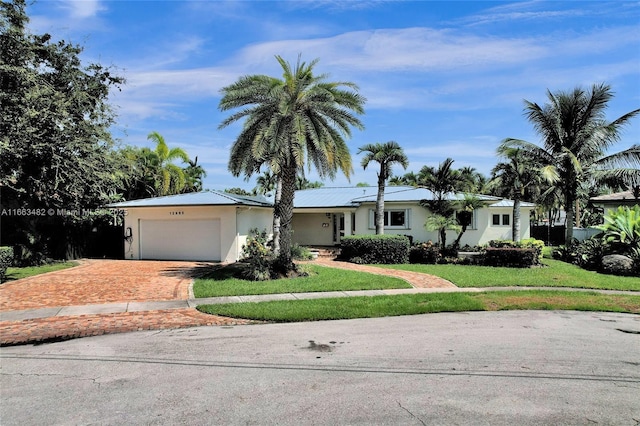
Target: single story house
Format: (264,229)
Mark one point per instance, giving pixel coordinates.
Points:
(611,202)
(214,225)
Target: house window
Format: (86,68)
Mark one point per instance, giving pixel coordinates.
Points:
(472,222)
(504,220)
(393,219)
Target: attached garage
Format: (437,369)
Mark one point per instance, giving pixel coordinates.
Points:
(208,226)
(180,239)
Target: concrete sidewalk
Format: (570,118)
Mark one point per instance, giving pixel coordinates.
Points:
(113,308)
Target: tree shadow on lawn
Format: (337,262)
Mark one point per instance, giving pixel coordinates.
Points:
(209,271)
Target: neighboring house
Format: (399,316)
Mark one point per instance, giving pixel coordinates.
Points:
(214,225)
(613,201)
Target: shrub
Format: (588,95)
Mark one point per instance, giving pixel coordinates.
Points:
(622,229)
(426,253)
(258,257)
(529,243)
(522,254)
(512,257)
(588,254)
(385,249)
(6,259)
(299,252)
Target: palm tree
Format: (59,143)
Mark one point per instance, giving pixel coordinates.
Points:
(576,137)
(386,154)
(441,181)
(466,207)
(265,183)
(170,179)
(442,224)
(289,122)
(193,174)
(513,178)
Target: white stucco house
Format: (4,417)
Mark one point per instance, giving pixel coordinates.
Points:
(214,225)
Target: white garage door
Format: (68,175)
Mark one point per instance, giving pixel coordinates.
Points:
(180,239)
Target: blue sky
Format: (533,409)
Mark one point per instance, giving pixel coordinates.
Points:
(443,79)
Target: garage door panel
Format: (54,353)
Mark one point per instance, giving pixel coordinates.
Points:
(180,239)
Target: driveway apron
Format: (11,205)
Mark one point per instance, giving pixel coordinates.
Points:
(101,282)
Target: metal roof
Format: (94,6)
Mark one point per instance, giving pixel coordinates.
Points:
(324,197)
(509,203)
(206,198)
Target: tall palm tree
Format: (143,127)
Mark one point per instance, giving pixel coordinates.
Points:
(576,137)
(289,122)
(513,178)
(170,178)
(386,154)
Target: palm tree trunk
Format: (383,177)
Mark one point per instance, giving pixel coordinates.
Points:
(288,177)
(379,216)
(276,217)
(568,205)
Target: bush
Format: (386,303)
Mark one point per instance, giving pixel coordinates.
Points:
(6,259)
(522,254)
(511,257)
(299,252)
(529,243)
(385,249)
(257,256)
(425,253)
(588,254)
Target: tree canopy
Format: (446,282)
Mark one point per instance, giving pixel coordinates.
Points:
(289,123)
(55,145)
(576,137)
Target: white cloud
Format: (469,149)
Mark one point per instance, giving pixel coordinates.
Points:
(82,9)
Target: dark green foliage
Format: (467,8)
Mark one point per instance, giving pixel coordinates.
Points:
(510,256)
(516,254)
(385,249)
(299,252)
(6,259)
(425,253)
(588,253)
(258,257)
(55,146)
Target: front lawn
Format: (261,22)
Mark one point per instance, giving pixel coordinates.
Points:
(223,282)
(29,271)
(412,304)
(554,274)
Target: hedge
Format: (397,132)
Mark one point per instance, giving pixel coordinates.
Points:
(6,259)
(385,249)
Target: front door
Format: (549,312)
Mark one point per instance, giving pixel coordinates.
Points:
(338,227)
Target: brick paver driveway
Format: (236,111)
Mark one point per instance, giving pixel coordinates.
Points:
(102,282)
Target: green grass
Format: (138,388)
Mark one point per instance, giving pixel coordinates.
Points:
(18,273)
(555,274)
(222,282)
(381,306)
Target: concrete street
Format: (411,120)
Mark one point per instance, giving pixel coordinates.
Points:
(522,368)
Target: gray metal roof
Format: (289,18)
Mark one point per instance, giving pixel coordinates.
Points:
(509,203)
(324,197)
(206,198)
